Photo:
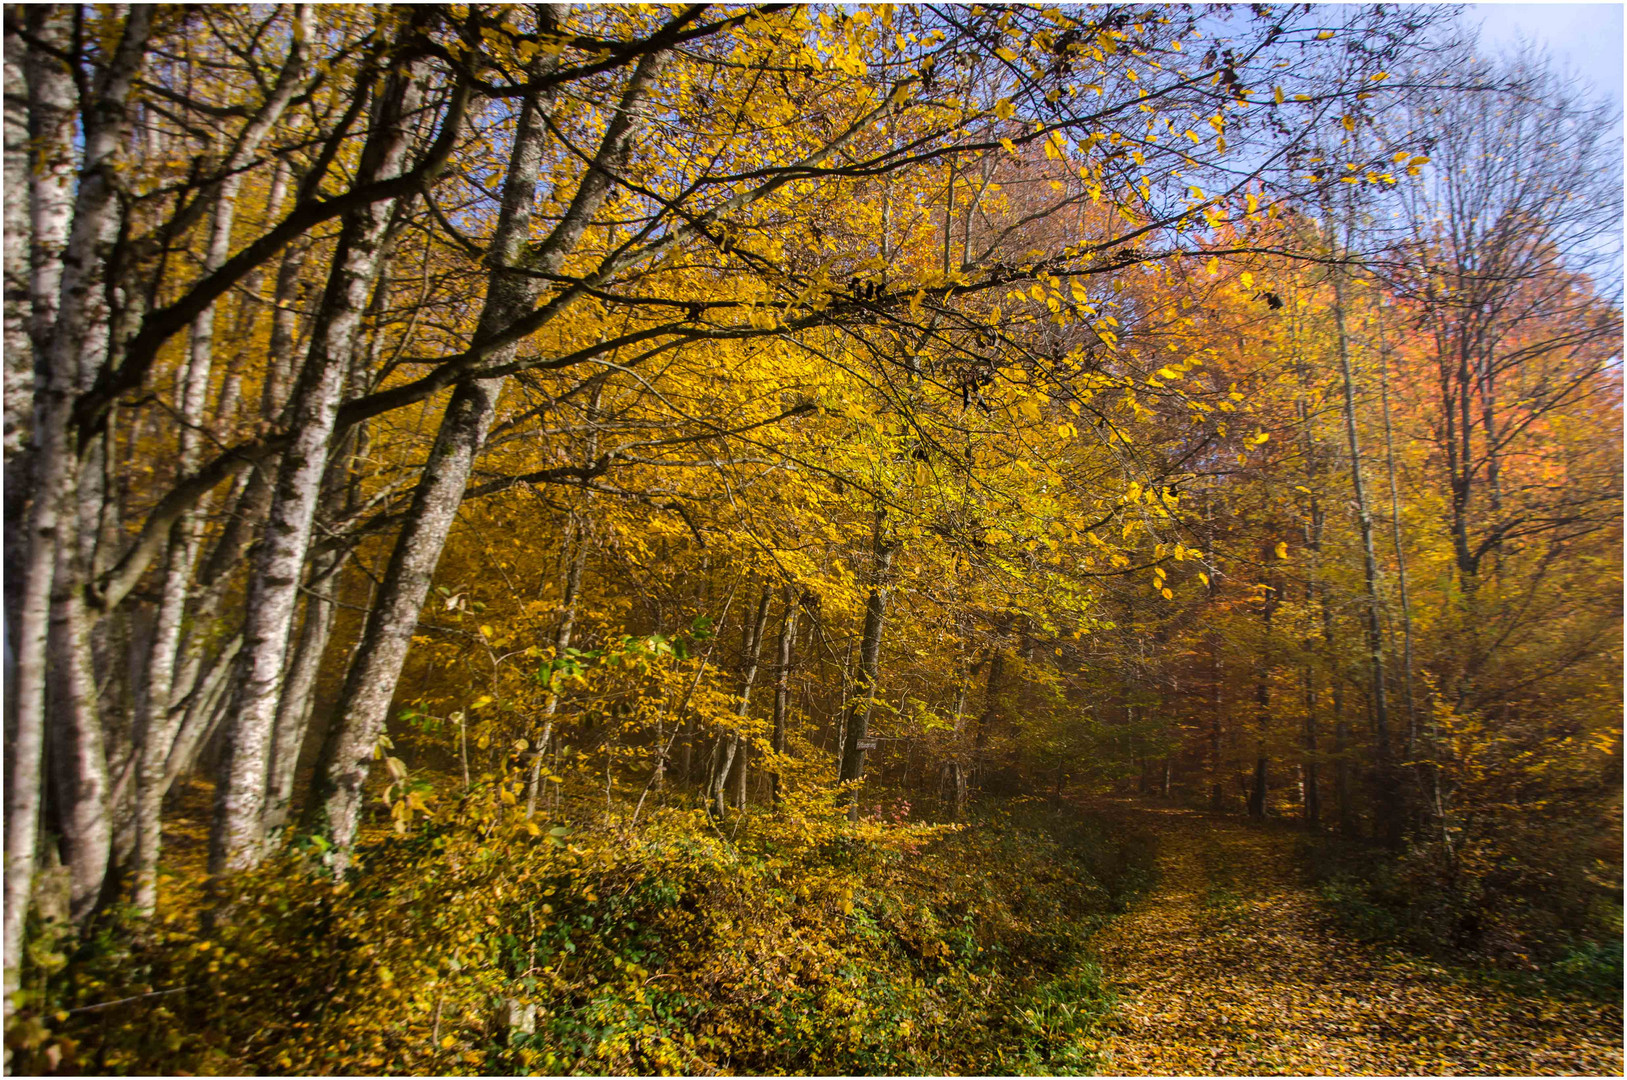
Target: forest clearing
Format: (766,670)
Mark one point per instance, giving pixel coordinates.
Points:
(812,539)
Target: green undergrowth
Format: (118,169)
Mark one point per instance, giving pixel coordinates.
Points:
(804,944)
(1561,939)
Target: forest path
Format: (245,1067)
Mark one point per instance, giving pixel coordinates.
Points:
(1228,967)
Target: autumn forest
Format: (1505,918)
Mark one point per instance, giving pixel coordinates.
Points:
(850,539)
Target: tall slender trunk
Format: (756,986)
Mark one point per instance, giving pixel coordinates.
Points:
(19,355)
(1262,703)
(155,722)
(50,529)
(299,689)
(563,634)
(78,755)
(1341,735)
(955,769)
(198,710)
(1400,551)
(730,745)
(991,708)
(364,703)
(869,672)
(1387,811)
(237,839)
(782,685)
(1313,794)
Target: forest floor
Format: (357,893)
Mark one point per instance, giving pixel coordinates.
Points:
(1230,966)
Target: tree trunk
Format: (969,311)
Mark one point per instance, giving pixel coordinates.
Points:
(19,355)
(237,839)
(73,328)
(730,745)
(782,686)
(299,689)
(1313,795)
(562,641)
(365,701)
(78,756)
(199,711)
(1400,551)
(991,708)
(154,722)
(1387,811)
(869,673)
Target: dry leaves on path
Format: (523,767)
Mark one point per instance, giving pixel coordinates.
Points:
(1228,967)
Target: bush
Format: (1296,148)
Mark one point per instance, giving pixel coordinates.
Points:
(808,945)
(1487,913)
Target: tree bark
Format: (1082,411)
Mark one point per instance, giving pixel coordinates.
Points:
(731,744)
(237,839)
(364,704)
(82,261)
(78,756)
(19,350)
(782,686)
(299,689)
(869,672)
(1387,812)
(156,720)
(562,640)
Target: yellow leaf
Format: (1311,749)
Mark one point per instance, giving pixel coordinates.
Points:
(1247,279)
(447,1042)
(1212,266)
(1167,594)
(1282,549)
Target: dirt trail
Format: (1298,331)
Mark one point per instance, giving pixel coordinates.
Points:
(1228,967)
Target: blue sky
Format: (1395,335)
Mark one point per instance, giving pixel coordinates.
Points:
(1587,38)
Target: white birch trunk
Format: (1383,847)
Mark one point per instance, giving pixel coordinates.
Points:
(78,756)
(156,721)
(19,357)
(370,685)
(299,693)
(237,839)
(81,262)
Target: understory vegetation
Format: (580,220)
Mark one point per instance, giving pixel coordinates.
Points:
(1515,921)
(813,948)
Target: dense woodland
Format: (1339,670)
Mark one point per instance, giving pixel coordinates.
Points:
(631,539)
